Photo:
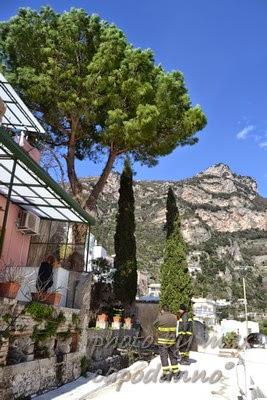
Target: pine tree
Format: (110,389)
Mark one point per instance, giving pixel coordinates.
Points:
(125,277)
(94,91)
(176,284)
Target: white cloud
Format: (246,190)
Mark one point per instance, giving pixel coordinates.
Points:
(243,134)
(263,144)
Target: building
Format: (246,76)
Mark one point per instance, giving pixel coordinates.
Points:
(96,251)
(223,303)
(36,213)
(99,251)
(154,290)
(230,325)
(204,310)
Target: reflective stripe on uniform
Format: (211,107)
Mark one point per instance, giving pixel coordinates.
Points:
(166,341)
(175,368)
(163,329)
(165,370)
(185,333)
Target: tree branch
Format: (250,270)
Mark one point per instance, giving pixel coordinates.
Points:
(99,186)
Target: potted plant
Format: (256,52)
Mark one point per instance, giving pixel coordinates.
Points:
(116,318)
(102,317)
(128,323)
(51,298)
(11,277)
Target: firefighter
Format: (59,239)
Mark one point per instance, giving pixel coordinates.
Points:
(165,326)
(185,334)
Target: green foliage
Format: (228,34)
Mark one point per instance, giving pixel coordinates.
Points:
(125,277)
(94,91)
(176,285)
(39,311)
(256,295)
(263,327)
(41,351)
(64,335)
(101,268)
(75,319)
(4,334)
(7,318)
(230,340)
(42,312)
(84,366)
(171,213)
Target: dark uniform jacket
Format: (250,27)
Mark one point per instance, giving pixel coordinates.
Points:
(45,277)
(165,326)
(185,325)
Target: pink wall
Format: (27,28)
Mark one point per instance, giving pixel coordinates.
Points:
(16,245)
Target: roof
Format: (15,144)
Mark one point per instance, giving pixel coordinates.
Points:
(17,115)
(33,189)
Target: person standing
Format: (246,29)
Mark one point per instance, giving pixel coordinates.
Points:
(45,274)
(185,334)
(165,326)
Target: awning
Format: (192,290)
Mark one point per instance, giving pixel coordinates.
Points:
(17,115)
(32,188)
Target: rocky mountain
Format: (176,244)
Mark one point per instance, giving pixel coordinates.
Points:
(224,222)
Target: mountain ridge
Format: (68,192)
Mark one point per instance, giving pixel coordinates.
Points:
(223,220)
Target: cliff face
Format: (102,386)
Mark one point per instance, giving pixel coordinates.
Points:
(223,219)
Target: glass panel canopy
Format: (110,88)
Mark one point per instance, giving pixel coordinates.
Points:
(17,115)
(32,188)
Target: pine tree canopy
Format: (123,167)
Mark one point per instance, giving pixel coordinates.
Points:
(95,93)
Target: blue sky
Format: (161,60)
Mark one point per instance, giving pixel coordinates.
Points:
(220,46)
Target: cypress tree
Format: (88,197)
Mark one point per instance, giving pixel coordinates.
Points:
(125,277)
(176,284)
(171,212)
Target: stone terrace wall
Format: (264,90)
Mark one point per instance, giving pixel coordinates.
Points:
(38,353)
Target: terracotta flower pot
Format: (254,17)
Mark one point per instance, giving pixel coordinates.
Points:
(9,289)
(47,298)
(102,317)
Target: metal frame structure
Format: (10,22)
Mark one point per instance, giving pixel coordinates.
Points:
(25,183)
(17,115)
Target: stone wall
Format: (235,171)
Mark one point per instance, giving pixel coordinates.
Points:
(103,343)
(39,352)
(110,349)
(41,347)
(34,377)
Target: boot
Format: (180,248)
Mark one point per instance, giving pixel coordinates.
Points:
(165,377)
(177,376)
(185,361)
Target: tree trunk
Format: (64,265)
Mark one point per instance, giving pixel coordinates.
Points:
(99,186)
(75,185)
